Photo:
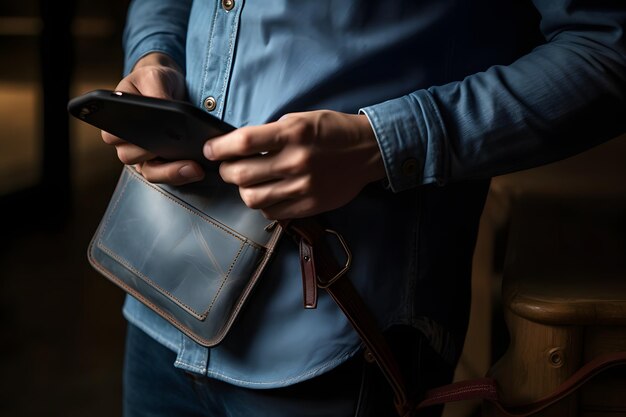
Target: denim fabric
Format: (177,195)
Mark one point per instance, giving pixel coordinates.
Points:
(456,91)
(154,388)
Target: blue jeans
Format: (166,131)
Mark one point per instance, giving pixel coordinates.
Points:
(153,387)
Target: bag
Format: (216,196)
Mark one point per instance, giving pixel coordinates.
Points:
(192,254)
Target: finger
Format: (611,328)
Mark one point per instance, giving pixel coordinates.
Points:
(291,115)
(291,209)
(110,139)
(131,154)
(270,193)
(157,81)
(246,141)
(127,153)
(172,173)
(149,83)
(127,85)
(250,171)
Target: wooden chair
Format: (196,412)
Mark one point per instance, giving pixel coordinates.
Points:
(564,300)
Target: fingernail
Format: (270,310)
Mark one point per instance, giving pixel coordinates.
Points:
(190,172)
(208,152)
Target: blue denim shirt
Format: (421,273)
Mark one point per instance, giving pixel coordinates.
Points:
(456,91)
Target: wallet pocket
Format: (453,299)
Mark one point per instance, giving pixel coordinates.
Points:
(191,269)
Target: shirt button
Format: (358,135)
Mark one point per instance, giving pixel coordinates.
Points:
(409,167)
(210,103)
(228,5)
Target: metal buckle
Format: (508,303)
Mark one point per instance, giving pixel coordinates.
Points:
(344,245)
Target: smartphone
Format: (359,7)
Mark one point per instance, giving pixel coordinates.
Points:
(172,130)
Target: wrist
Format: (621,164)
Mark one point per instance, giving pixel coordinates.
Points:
(375,166)
(158,59)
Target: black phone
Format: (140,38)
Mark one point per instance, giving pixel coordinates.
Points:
(173,130)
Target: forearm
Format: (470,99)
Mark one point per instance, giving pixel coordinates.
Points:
(563,97)
(156,26)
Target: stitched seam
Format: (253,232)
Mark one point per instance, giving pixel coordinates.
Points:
(251,282)
(147,279)
(208,55)
(114,208)
(230,269)
(150,281)
(216,338)
(197,213)
(182,364)
(149,303)
(443,174)
(201,368)
(233,35)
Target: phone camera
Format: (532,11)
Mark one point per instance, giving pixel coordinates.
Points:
(87,110)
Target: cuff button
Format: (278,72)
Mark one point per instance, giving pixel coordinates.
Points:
(409,167)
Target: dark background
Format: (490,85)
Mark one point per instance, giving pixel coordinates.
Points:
(62,330)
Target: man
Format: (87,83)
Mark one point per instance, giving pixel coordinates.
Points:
(386,118)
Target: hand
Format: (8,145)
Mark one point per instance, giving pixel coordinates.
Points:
(302,165)
(155,75)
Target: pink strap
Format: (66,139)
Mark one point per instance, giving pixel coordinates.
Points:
(485,388)
(482,388)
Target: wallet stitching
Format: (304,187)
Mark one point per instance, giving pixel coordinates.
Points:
(217,337)
(219,290)
(251,283)
(193,212)
(135,293)
(173,319)
(113,209)
(149,281)
(128,265)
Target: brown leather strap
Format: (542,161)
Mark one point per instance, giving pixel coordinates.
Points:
(311,237)
(309,274)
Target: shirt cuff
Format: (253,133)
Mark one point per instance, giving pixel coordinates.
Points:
(411,138)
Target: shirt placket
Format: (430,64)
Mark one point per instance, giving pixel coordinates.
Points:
(216,78)
(220,56)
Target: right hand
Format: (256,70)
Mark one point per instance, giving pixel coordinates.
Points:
(154,75)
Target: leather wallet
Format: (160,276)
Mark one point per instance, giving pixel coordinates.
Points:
(192,253)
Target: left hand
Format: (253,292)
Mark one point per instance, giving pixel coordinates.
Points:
(301,165)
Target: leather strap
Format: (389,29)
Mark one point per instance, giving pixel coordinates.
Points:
(322,267)
(312,237)
(485,388)
(575,381)
(309,281)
